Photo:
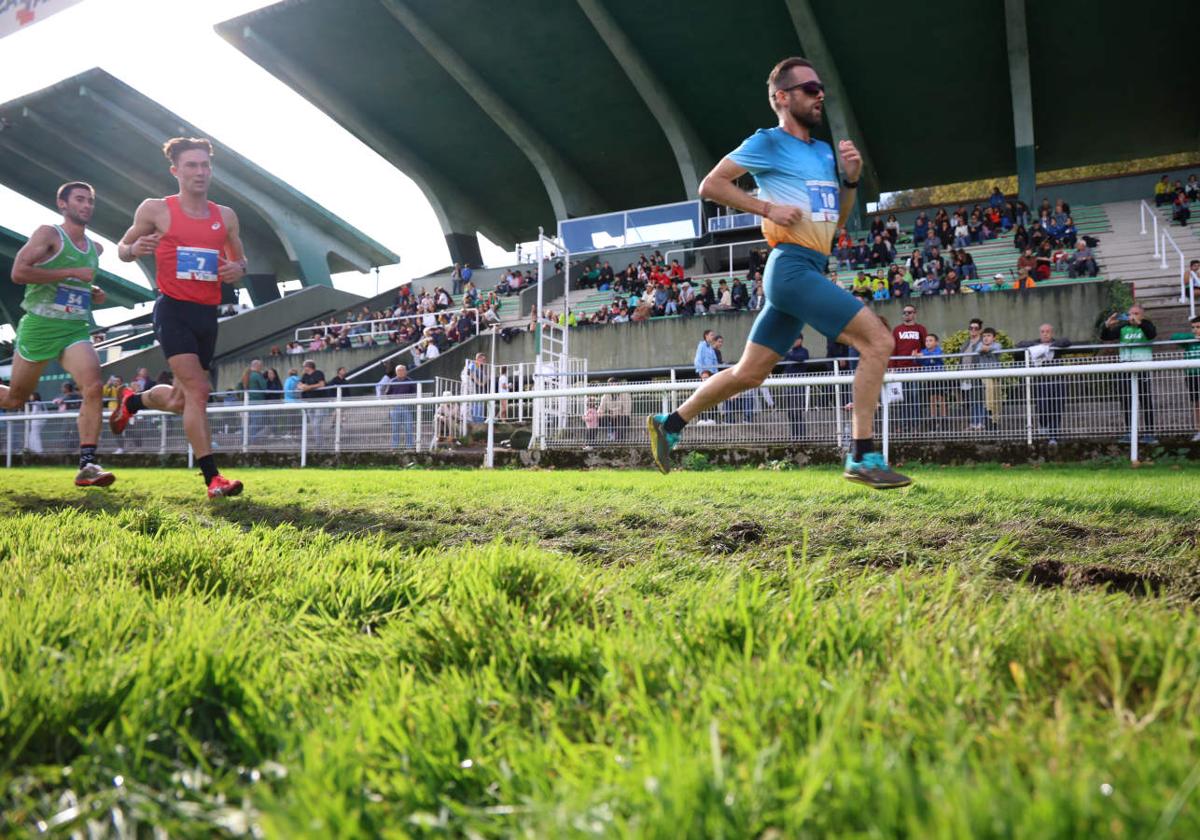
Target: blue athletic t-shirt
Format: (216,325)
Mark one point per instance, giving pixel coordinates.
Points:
(790,171)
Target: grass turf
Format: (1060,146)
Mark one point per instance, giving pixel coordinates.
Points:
(715,654)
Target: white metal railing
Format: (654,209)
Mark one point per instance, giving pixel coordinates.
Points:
(733,221)
(1187,289)
(1006,403)
(634,233)
(729,248)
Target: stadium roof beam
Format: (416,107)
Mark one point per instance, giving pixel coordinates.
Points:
(691,154)
(570,195)
(1017,41)
(308,251)
(458,215)
(842,122)
(114,141)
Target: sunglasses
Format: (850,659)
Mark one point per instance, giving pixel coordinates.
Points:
(810,88)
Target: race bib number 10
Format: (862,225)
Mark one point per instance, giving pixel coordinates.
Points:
(196,264)
(823,195)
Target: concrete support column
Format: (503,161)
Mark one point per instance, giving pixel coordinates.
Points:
(842,122)
(464,248)
(691,155)
(1022,98)
(263,288)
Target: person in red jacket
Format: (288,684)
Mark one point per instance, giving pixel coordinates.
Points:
(909,337)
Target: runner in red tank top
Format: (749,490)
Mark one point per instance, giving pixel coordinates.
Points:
(196,247)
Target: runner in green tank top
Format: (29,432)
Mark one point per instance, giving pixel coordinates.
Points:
(56,267)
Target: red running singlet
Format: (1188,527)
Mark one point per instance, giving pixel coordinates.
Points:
(188,255)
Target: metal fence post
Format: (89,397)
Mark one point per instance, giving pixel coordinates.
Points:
(420,413)
(162,437)
(1133,417)
(674,394)
(191,457)
(1029,405)
(8,444)
(886,438)
(837,403)
(303,438)
(337,422)
(246,420)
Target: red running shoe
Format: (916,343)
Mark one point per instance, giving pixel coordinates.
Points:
(120,416)
(222,486)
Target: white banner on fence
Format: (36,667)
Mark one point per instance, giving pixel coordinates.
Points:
(18,14)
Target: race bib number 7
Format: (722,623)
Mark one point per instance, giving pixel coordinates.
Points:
(197,264)
(823,196)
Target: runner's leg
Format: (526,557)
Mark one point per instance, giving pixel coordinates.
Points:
(80,360)
(192,387)
(867,334)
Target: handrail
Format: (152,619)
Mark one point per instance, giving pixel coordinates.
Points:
(1187,291)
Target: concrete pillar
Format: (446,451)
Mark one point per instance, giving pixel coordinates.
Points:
(842,122)
(691,155)
(1022,98)
(569,192)
(464,248)
(263,288)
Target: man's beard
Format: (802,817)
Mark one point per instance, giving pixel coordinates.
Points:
(75,219)
(808,118)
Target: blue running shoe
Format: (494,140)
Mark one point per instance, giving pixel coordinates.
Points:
(661,442)
(874,471)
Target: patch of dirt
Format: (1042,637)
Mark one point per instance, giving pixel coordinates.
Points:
(1054,573)
(736,536)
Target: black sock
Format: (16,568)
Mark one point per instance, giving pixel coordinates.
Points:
(134,404)
(87,455)
(862,447)
(208,466)
(674,423)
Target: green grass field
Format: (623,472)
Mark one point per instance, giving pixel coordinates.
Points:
(994,653)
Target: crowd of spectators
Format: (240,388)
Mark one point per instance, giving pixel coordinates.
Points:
(1179,196)
(428,322)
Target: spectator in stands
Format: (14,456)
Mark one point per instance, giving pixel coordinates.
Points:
(1163,194)
(1081,261)
(456,279)
(399,386)
(476,377)
(880,253)
(935,392)
(291,386)
(844,249)
(615,411)
(739,294)
(111,392)
(312,387)
(862,253)
(930,284)
(1194,276)
(962,234)
(1182,211)
(920,228)
(705,361)
(467,273)
(1049,393)
(794,363)
(1023,280)
(891,229)
(964,264)
(338,382)
(1134,332)
(1190,347)
(706,296)
(1021,238)
(972,390)
(951,285)
(758,296)
(900,285)
(1068,233)
(908,339)
(1192,189)
(1045,261)
(141,380)
(996,199)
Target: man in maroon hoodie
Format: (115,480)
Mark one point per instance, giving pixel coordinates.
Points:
(910,338)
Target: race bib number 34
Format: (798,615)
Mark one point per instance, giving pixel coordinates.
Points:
(823,195)
(196,264)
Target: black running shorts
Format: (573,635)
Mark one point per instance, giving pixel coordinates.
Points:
(185,327)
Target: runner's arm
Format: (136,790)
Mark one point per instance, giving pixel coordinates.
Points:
(852,170)
(233,269)
(141,240)
(719,186)
(40,247)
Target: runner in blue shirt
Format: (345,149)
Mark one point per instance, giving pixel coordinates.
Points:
(802,202)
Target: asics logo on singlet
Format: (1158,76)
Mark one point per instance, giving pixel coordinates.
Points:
(216,226)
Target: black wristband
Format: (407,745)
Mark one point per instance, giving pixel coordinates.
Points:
(850,185)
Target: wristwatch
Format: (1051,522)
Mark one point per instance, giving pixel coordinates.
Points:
(850,185)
